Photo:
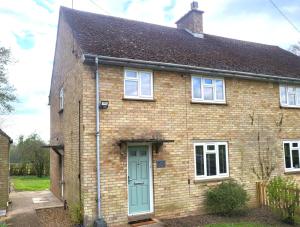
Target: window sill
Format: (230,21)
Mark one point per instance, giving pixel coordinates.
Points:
(205,180)
(288,172)
(138,99)
(208,103)
(61,111)
(289,107)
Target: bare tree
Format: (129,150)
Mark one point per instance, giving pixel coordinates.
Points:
(265,164)
(295,48)
(7,92)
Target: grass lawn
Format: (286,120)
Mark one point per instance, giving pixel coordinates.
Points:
(242,224)
(30,183)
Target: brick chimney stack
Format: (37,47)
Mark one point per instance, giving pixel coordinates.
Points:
(192,21)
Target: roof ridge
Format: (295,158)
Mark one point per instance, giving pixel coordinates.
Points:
(116,17)
(162,26)
(243,41)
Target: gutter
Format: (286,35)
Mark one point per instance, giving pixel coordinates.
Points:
(89,59)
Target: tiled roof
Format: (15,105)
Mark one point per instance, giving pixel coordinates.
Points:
(5,135)
(116,37)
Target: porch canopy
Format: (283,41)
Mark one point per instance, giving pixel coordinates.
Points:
(156,143)
(58,149)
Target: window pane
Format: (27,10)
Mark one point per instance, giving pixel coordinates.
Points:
(132,153)
(199,161)
(291,96)
(211,147)
(287,155)
(298,96)
(283,95)
(197,88)
(222,159)
(143,153)
(207,81)
(211,164)
(292,99)
(219,89)
(131,88)
(61,98)
(208,93)
(295,156)
(145,84)
(295,144)
(131,74)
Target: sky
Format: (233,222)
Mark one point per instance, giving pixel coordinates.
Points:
(28,28)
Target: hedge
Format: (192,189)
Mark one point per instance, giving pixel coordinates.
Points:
(24,169)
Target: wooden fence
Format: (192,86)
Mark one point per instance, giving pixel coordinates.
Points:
(262,195)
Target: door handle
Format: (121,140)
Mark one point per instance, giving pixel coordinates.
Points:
(138,183)
(129,179)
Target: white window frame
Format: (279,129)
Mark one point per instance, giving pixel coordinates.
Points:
(61,99)
(202,100)
(205,151)
(291,169)
(138,79)
(286,86)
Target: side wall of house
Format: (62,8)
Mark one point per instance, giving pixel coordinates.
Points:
(65,129)
(174,117)
(4,171)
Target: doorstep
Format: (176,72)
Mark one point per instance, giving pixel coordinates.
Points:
(140,217)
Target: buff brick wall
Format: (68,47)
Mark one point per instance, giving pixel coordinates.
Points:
(65,126)
(4,171)
(174,117)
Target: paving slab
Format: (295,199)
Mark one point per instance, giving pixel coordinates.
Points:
(21,212)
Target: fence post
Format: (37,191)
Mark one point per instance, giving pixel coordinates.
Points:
(258,193)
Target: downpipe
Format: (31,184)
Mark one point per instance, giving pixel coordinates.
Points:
(99,222)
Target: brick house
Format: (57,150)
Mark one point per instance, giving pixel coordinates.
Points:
(163,113)
(5,142)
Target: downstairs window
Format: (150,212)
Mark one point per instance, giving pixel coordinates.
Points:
(211,160)
(291,155)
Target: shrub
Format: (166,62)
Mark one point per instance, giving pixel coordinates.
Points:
(283,197)
(2,224)
(21,169)
(228,198)
(76,213)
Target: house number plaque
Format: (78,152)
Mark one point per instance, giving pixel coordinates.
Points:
(160,164)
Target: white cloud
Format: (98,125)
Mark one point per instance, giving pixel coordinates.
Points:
(31,73)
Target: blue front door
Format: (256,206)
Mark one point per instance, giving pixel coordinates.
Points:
(138,179)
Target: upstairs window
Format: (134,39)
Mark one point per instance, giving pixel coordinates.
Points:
(291,155)
(209,90)
(290,96)
(138,84)
(211,160)
(61,99)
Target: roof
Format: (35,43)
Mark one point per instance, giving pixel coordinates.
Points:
(121,38)
(5,135)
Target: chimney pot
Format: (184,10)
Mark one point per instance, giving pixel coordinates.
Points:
(194,5)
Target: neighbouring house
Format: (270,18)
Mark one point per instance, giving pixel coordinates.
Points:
(145,118)
(5,142)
